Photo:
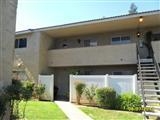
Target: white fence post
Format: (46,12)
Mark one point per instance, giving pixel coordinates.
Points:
(70,89)
(134,80)
(48,81)
(106,80)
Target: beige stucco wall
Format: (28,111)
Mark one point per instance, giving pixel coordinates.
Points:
(39,43)
(7,36)
(46,43)
(30,54)
(100,55)
(156,49)
(34,56)
(102,38)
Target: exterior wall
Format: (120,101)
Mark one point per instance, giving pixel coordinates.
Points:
(30,54)
(46,43)
(61,75)
(34,56)
(100,55)
(7,34)
(37,58)
(156,49)
(102,38)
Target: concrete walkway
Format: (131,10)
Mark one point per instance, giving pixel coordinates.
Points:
(71,111)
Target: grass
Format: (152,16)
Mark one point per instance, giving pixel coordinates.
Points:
(103,114)
(40,110)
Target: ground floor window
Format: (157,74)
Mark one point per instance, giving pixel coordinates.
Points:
(121,73)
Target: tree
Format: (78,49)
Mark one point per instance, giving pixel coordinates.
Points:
(133,9)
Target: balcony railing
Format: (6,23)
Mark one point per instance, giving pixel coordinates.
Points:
(92,56)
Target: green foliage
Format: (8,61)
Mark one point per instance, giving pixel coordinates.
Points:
(90,93)
(14,90)
(74,72)
(18,91)
(97,113)
(106,97)
(39,90)
(79,90)
(27,90)
(41,110)
(3,103)
(129,102)
(14,93)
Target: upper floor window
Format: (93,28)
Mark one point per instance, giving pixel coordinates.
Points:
(21,43)
(91,43)
(156,36)
(121,40)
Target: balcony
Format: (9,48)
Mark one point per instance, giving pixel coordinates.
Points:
(156,49)
(92,56)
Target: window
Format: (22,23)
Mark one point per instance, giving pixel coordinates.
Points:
(91,43)
(87,73)
(125,39)
(117,73)
(121,40)
(122,73)
(86,43)
(116,40)
(156,36)
(21,43)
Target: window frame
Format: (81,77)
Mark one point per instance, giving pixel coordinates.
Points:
(90,43)
(21,43)
(120,40)
(123,72)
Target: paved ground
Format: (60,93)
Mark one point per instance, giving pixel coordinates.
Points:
(72,112)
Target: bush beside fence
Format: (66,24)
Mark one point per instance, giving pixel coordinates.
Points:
(120,83)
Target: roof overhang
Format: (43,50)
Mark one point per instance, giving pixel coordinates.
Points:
(124,22)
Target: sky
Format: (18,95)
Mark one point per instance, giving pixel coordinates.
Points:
(33,14)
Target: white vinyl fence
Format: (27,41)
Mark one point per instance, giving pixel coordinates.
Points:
(48,81)
(121,83)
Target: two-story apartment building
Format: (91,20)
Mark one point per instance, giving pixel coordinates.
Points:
(94,47)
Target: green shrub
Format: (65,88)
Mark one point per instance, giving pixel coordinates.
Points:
(79,86)
(39,90)
(18,91)
(27,90)
(3,103)
(90,93)
(129,102)
(106,97)
(14,90)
